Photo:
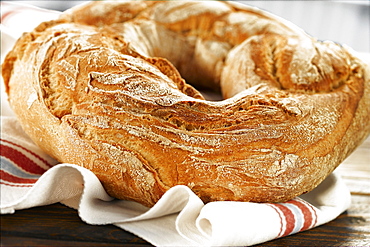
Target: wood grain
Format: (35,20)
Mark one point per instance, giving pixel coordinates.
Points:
(59,224)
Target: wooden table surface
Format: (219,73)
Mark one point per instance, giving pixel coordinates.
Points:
(57,225)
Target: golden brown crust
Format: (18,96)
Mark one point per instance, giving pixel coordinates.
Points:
(101,89)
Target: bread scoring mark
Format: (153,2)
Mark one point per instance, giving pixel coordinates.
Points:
(148,134)
(69,73)
(112,79)
(139,86)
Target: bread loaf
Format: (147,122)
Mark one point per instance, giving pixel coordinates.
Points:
(102,87)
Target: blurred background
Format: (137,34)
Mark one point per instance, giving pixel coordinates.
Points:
(346,22)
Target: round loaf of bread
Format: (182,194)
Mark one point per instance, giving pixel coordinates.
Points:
(102,87)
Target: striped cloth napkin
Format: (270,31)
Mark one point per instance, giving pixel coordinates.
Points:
(30,178)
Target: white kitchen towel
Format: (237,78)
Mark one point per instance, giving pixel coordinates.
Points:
(30,178)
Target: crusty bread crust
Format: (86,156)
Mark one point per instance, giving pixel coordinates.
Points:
(101,88)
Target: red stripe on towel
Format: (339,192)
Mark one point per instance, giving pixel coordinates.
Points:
(309,217)
(21,160)
(45,162)
(7,177)
(289,219)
